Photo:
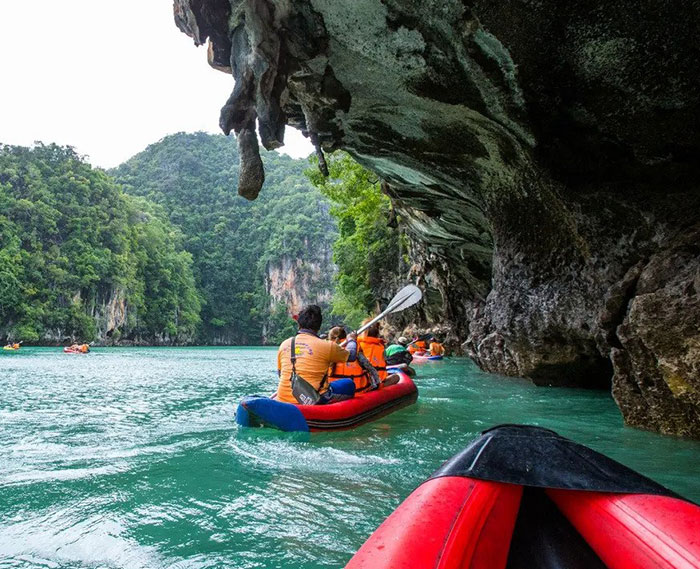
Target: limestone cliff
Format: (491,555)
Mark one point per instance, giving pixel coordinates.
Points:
(544,152)
(296,282)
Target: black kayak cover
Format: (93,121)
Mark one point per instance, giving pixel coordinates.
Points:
(537,457)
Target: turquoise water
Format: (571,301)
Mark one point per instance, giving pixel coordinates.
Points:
(130,458)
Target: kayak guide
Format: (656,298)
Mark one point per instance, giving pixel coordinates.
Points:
(307,401)
(524,497)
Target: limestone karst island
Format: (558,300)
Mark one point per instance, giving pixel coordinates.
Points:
(370,284)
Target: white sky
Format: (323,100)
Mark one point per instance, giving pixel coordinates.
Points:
(107,77)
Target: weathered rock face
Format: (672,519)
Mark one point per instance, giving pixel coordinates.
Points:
(545,153)
(298,282)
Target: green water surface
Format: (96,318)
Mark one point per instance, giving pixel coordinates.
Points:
(130,458)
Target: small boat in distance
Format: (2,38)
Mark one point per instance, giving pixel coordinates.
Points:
(77,349)
(421,358)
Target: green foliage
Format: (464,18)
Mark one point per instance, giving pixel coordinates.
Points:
(71,241)
(235,243)
(367,251)
(280,325)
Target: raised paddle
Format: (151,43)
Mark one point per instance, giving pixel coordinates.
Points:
(421,338)
(407,296)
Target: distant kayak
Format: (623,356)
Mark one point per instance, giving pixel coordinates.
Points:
(10,348)
(259,411)
(422,358)
(523,497)
(77,349)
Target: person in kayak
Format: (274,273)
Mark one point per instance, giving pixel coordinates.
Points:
(436,348)
(372,346)
(418,346)
(397,353)
(360,371)
(313,358)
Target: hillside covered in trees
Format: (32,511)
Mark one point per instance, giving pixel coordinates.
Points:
(79,259)
(253,261)
(161,250)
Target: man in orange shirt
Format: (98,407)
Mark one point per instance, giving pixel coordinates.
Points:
(436,348)
(313,358)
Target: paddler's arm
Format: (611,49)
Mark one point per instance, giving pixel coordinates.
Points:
(350,346)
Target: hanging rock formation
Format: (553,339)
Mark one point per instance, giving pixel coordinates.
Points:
(545,153)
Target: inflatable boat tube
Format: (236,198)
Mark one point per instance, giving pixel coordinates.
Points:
(405,368)
(259,411)
(423,358)
(523,497)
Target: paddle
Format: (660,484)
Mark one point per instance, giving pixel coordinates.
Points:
(406,297)
(421,338)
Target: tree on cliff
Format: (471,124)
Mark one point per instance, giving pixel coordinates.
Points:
(368,249)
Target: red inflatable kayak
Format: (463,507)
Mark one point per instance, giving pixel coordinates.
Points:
(368,406)
(523,497)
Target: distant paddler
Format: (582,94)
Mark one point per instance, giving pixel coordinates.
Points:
(397,353)
(12,346)
(77,349)
(436,348)
(419,345)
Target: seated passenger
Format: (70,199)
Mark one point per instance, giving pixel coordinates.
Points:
(418,346)
(372,346)
(361,371)
(397,353)
(313,358)
(436,348)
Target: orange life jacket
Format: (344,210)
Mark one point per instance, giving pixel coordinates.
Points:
(373,349)
(417,347)
(351,370)
(436,349)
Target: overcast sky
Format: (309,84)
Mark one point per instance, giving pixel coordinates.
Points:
(106,77)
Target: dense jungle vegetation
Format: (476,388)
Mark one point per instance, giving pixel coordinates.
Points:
(370,249)
(77,253)
(235,243)
(162,250)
